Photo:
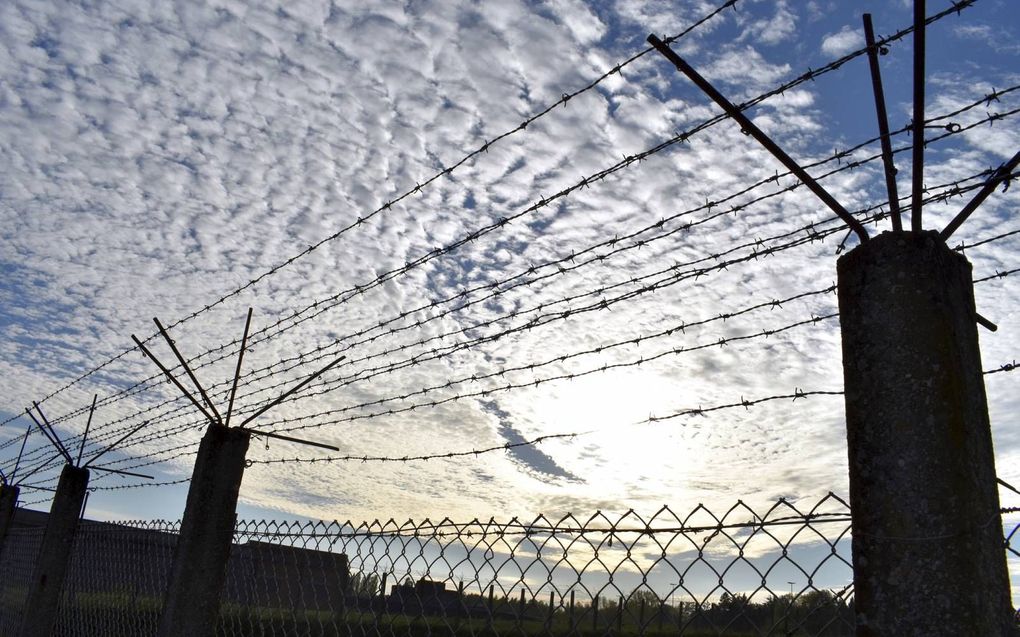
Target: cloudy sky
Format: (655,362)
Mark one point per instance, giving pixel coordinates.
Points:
(359,175)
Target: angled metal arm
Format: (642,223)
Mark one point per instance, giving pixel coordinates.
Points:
(191,374)
(45,464)
(748,126)
(269,434)
(883,125)
(21,452)
(114,445)
(997,178)
(237,370)
(88,424)
(51,437)
(290,391)
(166,372)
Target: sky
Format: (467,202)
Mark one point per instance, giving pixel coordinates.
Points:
(359,175)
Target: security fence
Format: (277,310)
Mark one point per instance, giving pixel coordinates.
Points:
(782,571)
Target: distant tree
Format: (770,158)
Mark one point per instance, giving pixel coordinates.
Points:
(364,584)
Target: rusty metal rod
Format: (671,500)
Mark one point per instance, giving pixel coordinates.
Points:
(269,434)
(883,125)
(191,374)
(290,391)
(917,176)
(166,372)
(114,445)
(88,424)
(748,126)
(997,177)
(237,371)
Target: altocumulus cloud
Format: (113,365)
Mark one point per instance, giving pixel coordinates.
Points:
(158,156)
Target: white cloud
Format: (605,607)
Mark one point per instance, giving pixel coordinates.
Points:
(842,42)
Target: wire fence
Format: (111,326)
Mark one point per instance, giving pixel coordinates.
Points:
(781,571)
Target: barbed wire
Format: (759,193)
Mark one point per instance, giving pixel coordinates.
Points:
(708,205)
(814,235)
(950,193)
(810,75)
(1005,367)
(743,403)
(999,93)
(419,458)
(699,411)
(837,157)
(446,170)
(997,275)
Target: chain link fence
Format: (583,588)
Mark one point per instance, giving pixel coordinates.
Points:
(17,559)
(781,571)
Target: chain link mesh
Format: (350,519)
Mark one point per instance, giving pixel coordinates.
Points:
(17,560)
(781,571)
(116,579)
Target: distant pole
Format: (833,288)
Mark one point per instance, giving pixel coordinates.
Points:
(927,532)
(55,552)
(207,532)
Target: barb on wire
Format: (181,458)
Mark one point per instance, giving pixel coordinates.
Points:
(1005,367)
(746,404)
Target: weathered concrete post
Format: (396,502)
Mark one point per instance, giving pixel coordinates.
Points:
(8,502)
(207,531)
(55,552)
(927,533)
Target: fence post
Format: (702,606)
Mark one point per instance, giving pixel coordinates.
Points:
(55,552)
(927,532)
(8,503)
(207,531)
(573,625)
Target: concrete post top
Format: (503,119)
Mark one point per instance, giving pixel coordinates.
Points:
(73,472)
(900,243)
(227,434)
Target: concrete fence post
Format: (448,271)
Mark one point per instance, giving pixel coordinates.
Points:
(207,532)
(54,553)
(8,503)
(927,533)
